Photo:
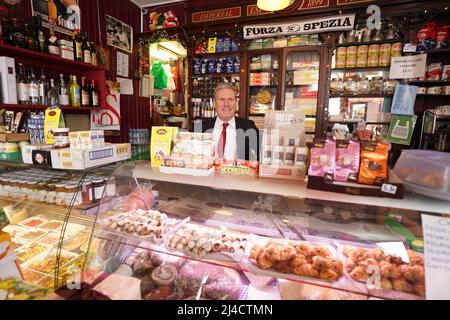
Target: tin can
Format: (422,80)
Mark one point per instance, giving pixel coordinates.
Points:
(361,60)
(396,49)
(351,57)
(373,55)
(341,54)
(385,55)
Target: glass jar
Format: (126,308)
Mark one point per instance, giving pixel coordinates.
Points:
(350,86)
(61,137)
(389,86)
(99,186)
(14,189)
(60,189)
(376,85)
(51,192)
(87,192)
(71,193)
(363,86)
(42,192)
(336,86)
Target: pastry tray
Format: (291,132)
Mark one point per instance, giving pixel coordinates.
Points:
(382,293)
(72,256)
(24,222)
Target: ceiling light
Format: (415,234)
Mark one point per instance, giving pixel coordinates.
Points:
(273,5)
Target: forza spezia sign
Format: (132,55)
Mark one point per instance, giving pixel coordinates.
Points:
(344,22)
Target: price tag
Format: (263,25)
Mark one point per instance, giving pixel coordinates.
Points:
(389,188)
(409,47)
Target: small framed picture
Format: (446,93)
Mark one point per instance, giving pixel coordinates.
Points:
(118,34)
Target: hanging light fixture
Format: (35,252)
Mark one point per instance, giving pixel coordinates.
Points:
(273,5)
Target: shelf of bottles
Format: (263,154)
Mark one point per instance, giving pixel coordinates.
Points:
(44,63)
(56,90)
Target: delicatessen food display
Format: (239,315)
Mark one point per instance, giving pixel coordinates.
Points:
(246,248)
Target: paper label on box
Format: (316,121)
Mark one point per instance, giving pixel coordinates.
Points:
(67,164)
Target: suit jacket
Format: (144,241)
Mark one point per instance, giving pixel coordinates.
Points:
(247,136)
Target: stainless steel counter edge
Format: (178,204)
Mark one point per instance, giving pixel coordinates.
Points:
(292,189)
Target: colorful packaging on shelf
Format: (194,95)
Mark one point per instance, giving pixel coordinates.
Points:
(204,66)
(374,162)
(443,36)
(212,45)
(230,65)
(434,71)
(197,66)
(237,65)
(226,44)
(201,48)
(161,144)
(219,44)
(446,72)
(426,37)
(347,161)
(220,65)
(211,66)
(234,46)
(323,157)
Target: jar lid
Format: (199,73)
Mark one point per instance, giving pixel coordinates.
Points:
(62,130)
(71,186)
(98,180)
(60,185)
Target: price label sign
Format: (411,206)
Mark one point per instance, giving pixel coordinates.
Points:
(389,188)
(408,67)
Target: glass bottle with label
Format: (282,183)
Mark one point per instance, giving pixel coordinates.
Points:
(86,50)
(85,96)
(93,95)
(52,94)
(52,11)
(93,54)
(23,94)
(43,88)
(34,88)
(63,92)
(16,35)
(77,46)
(74,92)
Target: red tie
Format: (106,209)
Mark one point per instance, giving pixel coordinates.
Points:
(222,141)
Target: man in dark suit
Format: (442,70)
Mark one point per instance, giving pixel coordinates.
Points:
(235,138)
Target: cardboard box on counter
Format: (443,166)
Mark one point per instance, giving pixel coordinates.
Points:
(66,158)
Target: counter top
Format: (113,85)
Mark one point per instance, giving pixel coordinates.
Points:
(292,189)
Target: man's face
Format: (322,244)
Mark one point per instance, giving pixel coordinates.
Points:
(225,104)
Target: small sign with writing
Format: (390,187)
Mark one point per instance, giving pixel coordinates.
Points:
(436,231)
(389,188)
(227,13)
(327,24)
(408,67)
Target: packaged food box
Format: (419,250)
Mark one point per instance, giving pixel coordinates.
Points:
(429,170)
(33,222)
(32,234)
(46,262)
(76,242)
(14,230)
(52,225)
(27,252)
(49,239)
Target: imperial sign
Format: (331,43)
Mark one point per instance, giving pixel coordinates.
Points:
(328,24)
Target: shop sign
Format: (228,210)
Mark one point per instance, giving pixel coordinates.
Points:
(228,13)
(408,67)
(253,10)
(327,24)
(347,2)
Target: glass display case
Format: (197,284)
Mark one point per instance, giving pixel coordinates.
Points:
(51,218)
(229,237)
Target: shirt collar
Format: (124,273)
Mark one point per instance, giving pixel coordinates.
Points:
(231,123)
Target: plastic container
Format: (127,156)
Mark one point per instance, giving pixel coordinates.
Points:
(425,171)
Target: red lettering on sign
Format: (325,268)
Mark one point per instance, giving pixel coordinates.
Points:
(253,10)
(314,4)
(227,13)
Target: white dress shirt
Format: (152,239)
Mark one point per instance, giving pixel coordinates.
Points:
(230,145)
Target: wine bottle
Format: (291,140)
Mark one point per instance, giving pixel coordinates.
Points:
(52,94)
(85,95)
(86,50)
(77,46)
(74,92)
(93,95)
(34,88)
(94,61)
(43,88)
(23,93)
(63,94)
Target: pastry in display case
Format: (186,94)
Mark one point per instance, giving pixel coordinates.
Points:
(257,252)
